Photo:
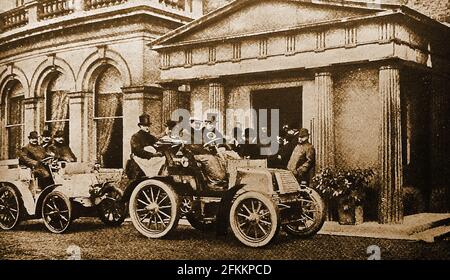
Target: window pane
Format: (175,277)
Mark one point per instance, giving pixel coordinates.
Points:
(57,105)
(14,141)
(108,105)
(108,93)
(109,142)
(15,111)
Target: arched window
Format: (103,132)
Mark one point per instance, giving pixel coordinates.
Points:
(108,117)
(57,105)
(14,118)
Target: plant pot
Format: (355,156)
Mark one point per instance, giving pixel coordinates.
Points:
(350,214)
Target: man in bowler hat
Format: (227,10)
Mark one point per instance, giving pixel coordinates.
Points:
(303,158)
(60,149)
(31,156)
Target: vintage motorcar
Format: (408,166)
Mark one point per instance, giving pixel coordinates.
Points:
(253,201)
(76,191)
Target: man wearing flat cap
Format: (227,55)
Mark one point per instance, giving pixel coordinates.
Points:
(60,149)
(303,158)
(31,156)
(144,157)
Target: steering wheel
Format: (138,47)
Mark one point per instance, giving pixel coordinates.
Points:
(211,142)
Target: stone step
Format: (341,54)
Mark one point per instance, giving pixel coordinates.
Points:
(434,234)
(425,221)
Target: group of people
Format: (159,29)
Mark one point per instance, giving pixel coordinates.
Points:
(295,153)
(35,152)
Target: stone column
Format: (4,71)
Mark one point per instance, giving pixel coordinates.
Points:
(80,104)
(216,103)
(136,101)
(324,130)
(170,103)
(31,115)
(390,157)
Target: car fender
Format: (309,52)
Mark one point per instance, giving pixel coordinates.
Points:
(41,197)
(24,193)
(181,189)
(223,211)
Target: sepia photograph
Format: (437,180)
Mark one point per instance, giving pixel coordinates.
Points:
(224,130)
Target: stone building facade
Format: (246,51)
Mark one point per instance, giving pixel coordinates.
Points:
(83,66)
(367,79)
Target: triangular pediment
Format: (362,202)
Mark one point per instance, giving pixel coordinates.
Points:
(244,17)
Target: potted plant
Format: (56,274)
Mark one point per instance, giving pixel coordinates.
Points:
(347,188)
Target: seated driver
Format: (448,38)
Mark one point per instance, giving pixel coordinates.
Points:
(31,156)
(145,160)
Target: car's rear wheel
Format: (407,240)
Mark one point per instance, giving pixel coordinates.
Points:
(112,209)
(154,208)
(57,212)
(312,216)
(254,219)
(9,208)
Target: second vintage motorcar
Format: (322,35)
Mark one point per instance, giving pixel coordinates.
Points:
(76,191)
(254,201)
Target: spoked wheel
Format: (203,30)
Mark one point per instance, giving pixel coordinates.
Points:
(254,219)
(154,208)
(57,212)
(112,209)
(312,215)
(9,208)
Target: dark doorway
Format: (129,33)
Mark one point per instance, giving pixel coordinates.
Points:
(287,100)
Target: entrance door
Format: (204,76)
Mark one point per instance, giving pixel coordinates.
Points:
(287,100)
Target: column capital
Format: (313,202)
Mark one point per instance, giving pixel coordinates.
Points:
(323,74)
(389,67)
(142,92)
(32,100)
(79,94)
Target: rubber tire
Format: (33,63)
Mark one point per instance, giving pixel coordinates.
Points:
(69,207)
(18,201)
(317,225)
(274,216)
(175,204)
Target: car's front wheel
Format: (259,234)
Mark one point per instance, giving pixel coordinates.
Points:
(154,208)
(254,219)
(57,212)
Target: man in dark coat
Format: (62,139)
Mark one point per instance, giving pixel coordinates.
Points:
(31,156)
(250,148)
(303,158)
(46,139)
(139,141)
(60,149)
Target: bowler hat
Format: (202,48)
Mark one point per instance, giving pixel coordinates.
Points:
(144,120)
(303,133)
(46,133)
(59,134)
(33,135)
